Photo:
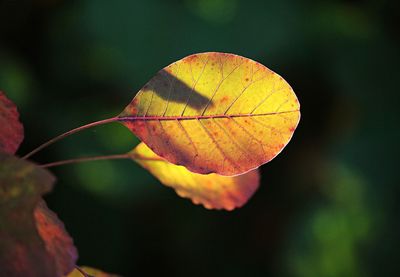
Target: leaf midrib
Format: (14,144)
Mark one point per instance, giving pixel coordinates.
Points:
(193,117)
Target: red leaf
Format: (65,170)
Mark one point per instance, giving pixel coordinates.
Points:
(57,241)
(11,129)
(30,246)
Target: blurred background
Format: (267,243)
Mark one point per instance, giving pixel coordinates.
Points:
(327,206)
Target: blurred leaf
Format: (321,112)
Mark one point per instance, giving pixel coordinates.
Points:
(33,241)
(213,191)
(329,241)
(11,129)
(22,251)
(110,181)
(214,113)
(59,244)
(90,271)
(16,78)
(344,19)
(219,11)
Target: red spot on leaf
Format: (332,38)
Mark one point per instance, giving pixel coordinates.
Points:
(137,126)
(191,58)
(224,99)
(135,101)
(132,108)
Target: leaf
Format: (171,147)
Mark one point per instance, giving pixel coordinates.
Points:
(91,272)
(59,244)
(25,238)
(213,191)
(22,252)
(214,113)
(11,130)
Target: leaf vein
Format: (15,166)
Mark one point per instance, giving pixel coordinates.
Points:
(218,146)
(242,92)
(188,137)
(230,137)
(219,85)
(172,83)
(194,84)
(249,134)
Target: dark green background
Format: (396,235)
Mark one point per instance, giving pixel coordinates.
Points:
(327,206)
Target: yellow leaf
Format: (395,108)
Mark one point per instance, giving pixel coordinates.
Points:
(213,191)
(214,113)
(90,272)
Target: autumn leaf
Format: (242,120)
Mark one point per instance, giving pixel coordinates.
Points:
(213,191)
(214,113)
(11,130)
(27,229)
(58,243)
(22,252)
(91,272)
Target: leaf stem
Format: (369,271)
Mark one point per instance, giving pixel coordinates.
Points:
(132,156)
(82,272)
(66,134)
(87,159)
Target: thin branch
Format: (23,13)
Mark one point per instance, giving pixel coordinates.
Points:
(66,134)
(132,156)
(86,159)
